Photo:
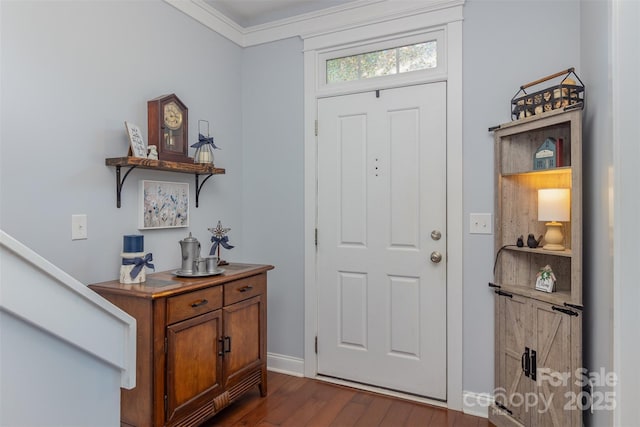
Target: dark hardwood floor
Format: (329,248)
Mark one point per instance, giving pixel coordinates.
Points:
(302,402)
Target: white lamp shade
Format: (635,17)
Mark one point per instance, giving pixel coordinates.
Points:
(554,204)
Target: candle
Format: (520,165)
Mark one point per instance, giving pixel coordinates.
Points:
(204,156)
(133,243)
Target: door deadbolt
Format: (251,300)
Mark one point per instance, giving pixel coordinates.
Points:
(436,257)
(436,235)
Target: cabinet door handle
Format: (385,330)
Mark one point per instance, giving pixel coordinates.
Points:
(533,369)
(199,303)
(246,288)
(524,361)
(221,352)
(227,347)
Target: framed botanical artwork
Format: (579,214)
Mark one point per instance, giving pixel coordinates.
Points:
(163,205)
(138,145)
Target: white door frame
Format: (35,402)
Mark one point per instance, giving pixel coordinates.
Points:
(450,19)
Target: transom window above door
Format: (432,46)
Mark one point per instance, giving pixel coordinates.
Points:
(417,56)
(403,59)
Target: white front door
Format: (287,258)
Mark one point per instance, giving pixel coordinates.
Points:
(381,205)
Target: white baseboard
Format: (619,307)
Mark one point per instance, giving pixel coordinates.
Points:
(285,364)
(476,403)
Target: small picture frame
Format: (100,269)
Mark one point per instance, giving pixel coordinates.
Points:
(138,145)
(546,280)
(163,205)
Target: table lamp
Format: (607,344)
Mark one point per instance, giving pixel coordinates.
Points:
(554,205)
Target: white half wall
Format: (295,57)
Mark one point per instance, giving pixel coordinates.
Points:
(64,350)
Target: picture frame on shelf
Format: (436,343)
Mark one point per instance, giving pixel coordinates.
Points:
(137,142)
(546,280)
(163,205)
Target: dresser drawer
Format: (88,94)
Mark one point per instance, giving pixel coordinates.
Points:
(242,289)
(193,303)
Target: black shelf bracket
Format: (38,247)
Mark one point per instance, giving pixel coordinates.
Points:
(120,182)
(503,294)
(501,406)
(564,310)
(199,186)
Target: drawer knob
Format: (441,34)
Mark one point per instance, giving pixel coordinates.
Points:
(199,303)
(246,288)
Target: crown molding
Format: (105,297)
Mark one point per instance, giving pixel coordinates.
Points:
(349,15)
(211,18)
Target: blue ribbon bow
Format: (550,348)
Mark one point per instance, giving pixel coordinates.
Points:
(222,241)
(139,263)
(202,140)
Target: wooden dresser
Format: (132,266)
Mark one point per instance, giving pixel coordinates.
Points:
(201,343)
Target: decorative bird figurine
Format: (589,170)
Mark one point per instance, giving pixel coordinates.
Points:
(520,242)
(531,241)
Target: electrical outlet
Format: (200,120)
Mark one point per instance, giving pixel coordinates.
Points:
(78,227)
(480,223)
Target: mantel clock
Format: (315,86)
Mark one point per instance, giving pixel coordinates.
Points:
(168,125)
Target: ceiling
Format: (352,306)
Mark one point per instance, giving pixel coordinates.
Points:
(247,13)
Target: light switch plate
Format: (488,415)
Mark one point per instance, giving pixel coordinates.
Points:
(480,223)
(78,227)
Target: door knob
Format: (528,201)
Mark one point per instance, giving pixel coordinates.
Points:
(436,257)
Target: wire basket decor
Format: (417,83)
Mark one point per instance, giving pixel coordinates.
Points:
(568,94)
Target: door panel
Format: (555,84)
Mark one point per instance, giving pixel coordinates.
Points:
(194,368)
(514,315)
(352,181)
(555,381)
(381,191)
(243,344)
(353,310)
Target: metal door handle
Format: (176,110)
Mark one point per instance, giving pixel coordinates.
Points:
(436,235)
(436,257)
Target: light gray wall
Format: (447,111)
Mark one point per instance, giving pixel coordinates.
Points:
(273,211)
(598,196)
(72,73)
(505,45)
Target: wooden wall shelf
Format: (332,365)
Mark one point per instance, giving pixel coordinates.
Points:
(161,165)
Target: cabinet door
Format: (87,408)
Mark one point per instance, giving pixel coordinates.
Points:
(245,338)
(511,383)
(194,366)
(556,380)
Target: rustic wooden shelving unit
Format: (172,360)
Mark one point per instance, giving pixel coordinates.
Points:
(160,165)
(538,335)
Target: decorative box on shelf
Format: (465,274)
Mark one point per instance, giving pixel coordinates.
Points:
(568,94)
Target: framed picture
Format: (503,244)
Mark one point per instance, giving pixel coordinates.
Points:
(163,205)
(138,146)
(546,279)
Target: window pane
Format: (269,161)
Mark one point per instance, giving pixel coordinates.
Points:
(376,64)
(342,69)
(403,59)
(418,57)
